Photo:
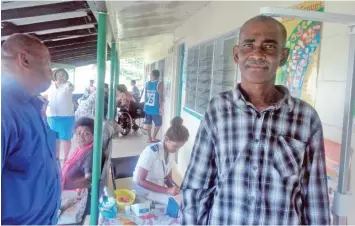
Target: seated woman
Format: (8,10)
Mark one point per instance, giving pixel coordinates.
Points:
(123,97)
(76,172)
(154,167)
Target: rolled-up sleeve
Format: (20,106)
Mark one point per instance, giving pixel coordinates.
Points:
(316,209)
(199,182)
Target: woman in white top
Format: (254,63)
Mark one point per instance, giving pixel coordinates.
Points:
(153,170)
(60,110)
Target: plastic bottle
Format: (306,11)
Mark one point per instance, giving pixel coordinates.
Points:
(107,205)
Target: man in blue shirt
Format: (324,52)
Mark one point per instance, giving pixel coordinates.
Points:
(30,178)
(153,105)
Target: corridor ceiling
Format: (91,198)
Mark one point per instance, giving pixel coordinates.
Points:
(141,26)
(67,28)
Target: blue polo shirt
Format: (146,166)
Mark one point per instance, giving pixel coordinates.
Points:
(30,179)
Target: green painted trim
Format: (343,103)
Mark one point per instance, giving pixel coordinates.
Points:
(193,113)
(118,67)
(112,93)
(117,73)
(181,73)
(99,113)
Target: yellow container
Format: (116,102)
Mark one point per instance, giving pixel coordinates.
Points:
(124,193)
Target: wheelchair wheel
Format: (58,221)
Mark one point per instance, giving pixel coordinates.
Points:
(125,121)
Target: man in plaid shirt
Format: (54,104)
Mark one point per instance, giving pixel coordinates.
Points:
(259,155)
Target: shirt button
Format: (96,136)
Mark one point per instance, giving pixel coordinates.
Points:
(255,167)
(257,140)
(252,199)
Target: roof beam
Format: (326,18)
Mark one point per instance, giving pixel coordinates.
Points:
(72,47)
(30,28)
(64,61)
(41,10)
(23,4)
(83,57)
(47,18)
(79,52)
(80,63)
(64,34)
(90,38)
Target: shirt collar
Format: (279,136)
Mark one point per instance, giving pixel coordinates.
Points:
(15,88)
(161,153)
(242,103)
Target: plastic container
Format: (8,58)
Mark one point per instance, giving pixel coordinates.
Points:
(107,207)
(124,193)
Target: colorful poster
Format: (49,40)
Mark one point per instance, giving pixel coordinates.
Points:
(299,74)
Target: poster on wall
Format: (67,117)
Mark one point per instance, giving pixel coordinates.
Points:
(299,74)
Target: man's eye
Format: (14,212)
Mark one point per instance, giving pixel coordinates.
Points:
(248,45)
(269,46)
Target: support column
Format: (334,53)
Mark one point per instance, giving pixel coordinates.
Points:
(117,75)
(99,115)
(112,94)
(118,68)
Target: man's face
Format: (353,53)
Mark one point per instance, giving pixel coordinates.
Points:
(152,77)
(260,52)
(40,67)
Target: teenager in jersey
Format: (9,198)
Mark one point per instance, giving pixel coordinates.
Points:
(153,170)
(153,105)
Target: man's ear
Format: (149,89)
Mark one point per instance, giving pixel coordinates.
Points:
(235,53)
(23,59)
(284,56)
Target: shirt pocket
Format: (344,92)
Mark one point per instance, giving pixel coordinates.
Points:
(288,156)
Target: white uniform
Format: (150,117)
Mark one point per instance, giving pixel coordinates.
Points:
(152,159)
(60,100)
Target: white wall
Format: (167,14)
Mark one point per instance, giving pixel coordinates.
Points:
(218,18)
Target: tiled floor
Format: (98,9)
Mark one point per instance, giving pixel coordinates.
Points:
(130,145)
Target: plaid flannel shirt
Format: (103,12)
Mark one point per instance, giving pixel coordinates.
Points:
(251,167)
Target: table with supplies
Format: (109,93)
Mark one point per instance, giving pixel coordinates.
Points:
(144,211)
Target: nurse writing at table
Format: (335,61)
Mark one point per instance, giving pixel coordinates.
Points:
(153,172)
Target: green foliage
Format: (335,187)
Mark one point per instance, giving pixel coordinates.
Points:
(132,68)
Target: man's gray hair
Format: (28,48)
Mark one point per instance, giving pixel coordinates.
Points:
(266,19)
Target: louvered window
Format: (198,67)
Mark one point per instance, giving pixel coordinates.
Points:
(210,69)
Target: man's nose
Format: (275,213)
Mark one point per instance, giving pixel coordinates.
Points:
(258,52)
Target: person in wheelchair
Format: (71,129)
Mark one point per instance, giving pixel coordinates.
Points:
(130,110)
(124,98)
